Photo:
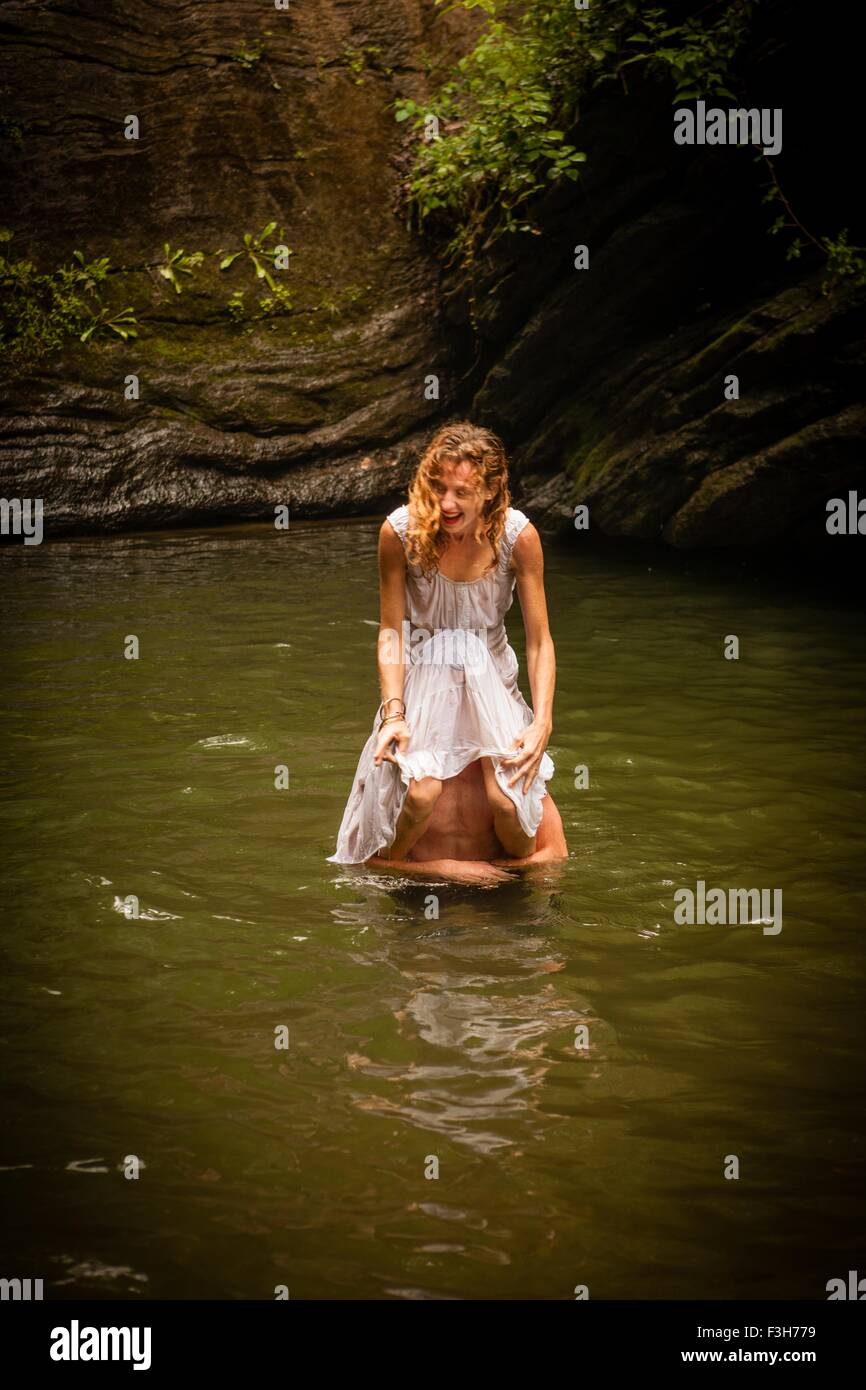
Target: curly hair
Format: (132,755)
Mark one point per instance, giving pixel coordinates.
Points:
(460,442)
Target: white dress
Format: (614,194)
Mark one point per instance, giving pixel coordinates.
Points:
(461,696)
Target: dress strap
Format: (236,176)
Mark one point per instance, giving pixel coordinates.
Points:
(399,519)
(514,524)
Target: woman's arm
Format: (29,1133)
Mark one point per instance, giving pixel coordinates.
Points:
(392,611)
(528,562)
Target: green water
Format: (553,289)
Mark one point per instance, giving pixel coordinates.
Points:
(412,1037)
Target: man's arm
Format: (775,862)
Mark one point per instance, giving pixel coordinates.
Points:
(477,871)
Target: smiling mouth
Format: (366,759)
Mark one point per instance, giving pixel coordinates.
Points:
(451,520)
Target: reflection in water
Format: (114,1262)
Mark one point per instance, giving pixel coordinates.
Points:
(480,1005)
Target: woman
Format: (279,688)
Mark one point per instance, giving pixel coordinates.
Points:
(453,775)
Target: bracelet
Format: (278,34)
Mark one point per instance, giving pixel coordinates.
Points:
(381,710)
(390,718)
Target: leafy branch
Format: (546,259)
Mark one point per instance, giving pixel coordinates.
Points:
(42,311)
(120,321)
(499,131)
(261,257)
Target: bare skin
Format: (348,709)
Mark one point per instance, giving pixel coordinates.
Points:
(469,819)
(460,842)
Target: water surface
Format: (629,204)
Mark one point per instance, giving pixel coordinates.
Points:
(411,1037)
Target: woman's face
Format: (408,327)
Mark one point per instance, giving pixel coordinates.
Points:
(460,502)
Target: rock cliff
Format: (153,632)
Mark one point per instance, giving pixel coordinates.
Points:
(608,384)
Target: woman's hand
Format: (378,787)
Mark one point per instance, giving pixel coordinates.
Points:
(395,731)
(529,750)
